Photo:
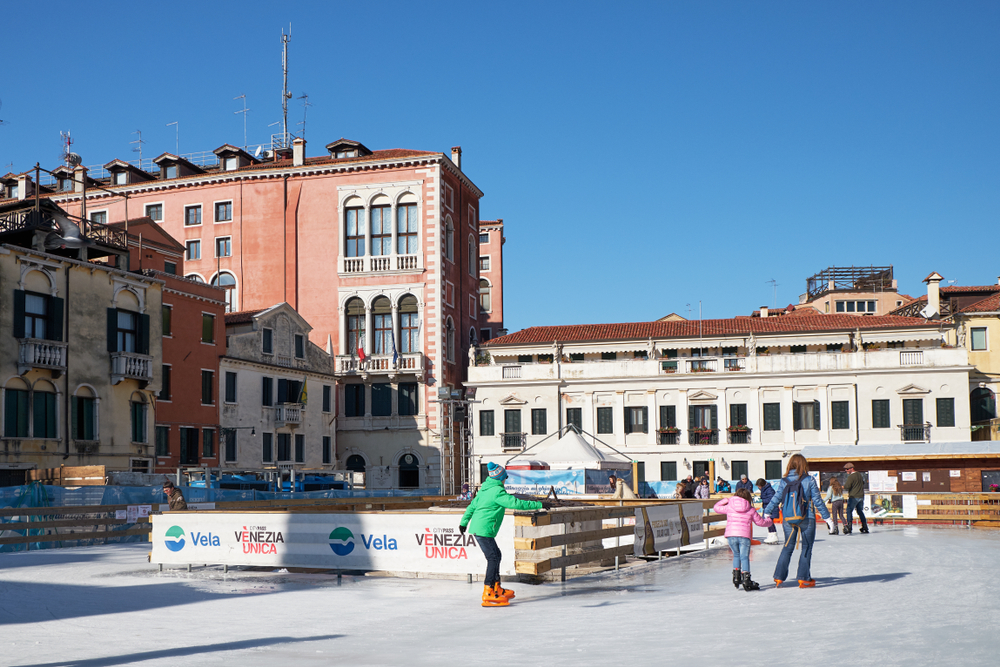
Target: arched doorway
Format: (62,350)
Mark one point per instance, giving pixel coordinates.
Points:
(983,405)
(409,472)
(355,463)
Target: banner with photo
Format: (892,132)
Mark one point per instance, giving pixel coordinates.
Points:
(667,527)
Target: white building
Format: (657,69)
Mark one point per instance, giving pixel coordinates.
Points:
(277,393)
(722,396)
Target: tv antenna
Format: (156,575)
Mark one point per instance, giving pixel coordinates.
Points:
(69,158)
(177,136)
(243,111)
(2,121)
(774,295)
(285,95)
(305,109)
(138,149)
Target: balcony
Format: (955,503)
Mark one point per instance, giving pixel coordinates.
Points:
(513,442)
(915,432)
(131,366)
(380,364)
(287,414)
(379,264)
(703,436)
(37,353)
(668,437)
(735,364)
(701,365)
(738,437)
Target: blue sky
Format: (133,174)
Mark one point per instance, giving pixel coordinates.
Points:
(644,156)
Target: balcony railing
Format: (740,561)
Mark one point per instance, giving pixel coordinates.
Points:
(511,372)
(668,437)
(915,432)
(37,353)
(131,366)
(512,442)
(915,358)
(735,363)
(410,362)
(380,263)
(708,436)
(288,414)
(703,365)
(739,437)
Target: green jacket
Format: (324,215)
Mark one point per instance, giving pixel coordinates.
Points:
(487,508)
(855,485)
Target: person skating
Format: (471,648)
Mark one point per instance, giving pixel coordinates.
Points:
(855,487)
(483,518)
(766,493)
(835,496)
(797,482)
(740,512)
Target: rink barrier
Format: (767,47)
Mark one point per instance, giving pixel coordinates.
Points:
(538,550)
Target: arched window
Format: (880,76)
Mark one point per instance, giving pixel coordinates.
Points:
(15,409)
(195,277)
(354,229)
(138,417)
(409,472)
(43,408)
(83,415)
(449,239)
(355,312)
(409,325)
(983,405)
(472,336)
(406,228)
(382,321)
(381,217)
(449,332)
(355,463)
(484,296)
(472,256)
(227,281)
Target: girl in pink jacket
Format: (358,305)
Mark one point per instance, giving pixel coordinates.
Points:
(740,513)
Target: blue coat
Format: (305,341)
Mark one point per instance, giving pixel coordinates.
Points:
(809,489)
(748,485)
(766,494)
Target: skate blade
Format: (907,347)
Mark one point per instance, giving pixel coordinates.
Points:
(491,603)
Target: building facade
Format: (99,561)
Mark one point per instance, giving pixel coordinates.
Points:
(728,396)
(491,242)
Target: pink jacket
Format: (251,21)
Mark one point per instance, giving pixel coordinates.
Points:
(739,515)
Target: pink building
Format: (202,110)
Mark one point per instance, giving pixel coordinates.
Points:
(491,242)
(378,250)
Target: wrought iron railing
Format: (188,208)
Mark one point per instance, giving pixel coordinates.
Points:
(915,432)
(707,436)
(513,441)
(668,437)
(739,437)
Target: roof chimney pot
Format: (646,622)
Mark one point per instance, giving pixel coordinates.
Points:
(298,152)
(456,156)
(763,311)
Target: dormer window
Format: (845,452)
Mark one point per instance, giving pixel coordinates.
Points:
(13,191)
(232,164)
(350,153)
(65,184)
(344,148)
(121,178)
(170,171)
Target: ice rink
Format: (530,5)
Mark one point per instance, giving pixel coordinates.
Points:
(899,596)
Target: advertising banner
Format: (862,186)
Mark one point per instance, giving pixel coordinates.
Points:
(667,527)
(411,542)
(537,482)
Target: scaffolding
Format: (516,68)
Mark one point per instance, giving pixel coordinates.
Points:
(457,464)
(850,278)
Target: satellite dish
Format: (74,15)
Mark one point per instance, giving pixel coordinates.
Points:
(73,159)
(925,312)
(257,152)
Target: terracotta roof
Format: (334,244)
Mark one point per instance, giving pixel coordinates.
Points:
(736,326)
(970,288)
(990,304)
(242,317)
(389,154)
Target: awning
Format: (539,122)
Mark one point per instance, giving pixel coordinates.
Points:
(899,336)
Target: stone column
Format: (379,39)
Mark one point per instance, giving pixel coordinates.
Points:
(368,241)
(343,331)
(369,334)
(395,329)
(395,231)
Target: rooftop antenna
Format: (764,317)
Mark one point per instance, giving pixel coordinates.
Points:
(243,111)
(285,95)
(774,294)
(305,109)
(2,122)
(69,158)
(138,149)
(177,127)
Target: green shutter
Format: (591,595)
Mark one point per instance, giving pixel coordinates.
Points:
(18,313)
(945,412)
(628,420)
(142,342)
(40,426)
(89,415)
(796,417)
(74,412)
(913,411)
(112,329)
(816,424)
(55,328)
(282,391)
(715,416)
(691,417)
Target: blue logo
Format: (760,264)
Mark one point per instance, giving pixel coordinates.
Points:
(177,543)
(342,541)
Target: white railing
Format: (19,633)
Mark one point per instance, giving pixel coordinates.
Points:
(511,372)
(381,263)
(702,365)
(354,264)
(283,360)
(410,362)
(406,262)
(288,414)
(37,353)
(130,366)
(911,358)
(735,363)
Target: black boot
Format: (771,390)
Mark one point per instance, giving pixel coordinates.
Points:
(749,584)
(737,578)
(836,530)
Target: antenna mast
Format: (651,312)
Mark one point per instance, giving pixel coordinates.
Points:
(285,95)
(243,111)
(139,148)
(305,109)
(774,296)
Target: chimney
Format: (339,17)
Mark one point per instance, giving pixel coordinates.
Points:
(933,295)
(298,152)
(79,179)
(763,311)
(456,156)
(25,187)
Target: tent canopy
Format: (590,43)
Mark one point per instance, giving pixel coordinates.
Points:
(572,452)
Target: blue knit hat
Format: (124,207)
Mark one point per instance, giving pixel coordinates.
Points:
(496,472)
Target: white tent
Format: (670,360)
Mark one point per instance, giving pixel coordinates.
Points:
(572,452)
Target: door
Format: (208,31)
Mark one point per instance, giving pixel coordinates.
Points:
(189,446)
(700,468)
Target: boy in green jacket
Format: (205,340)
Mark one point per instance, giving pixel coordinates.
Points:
(485,513)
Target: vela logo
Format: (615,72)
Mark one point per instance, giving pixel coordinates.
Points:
(342,541)
(175,538)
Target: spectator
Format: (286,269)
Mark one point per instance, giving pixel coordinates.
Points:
(855,487)
(174,497)
(466,494)
(766,493)
(702,491)
(613,482)
(679,490)
(722,486)
(689,487)
(745,483)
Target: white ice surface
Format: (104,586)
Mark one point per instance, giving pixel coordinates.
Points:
(899,596)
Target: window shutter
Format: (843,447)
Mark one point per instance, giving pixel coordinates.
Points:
(282,391)
(55,328)
(691,417)
(89,414)
(18,313)
(40,431)
(796,417)
(715,416)
(142,342)
(628,420)
(112,329)
(816,424)
(645,419)
(74,431)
